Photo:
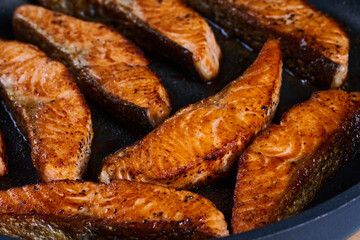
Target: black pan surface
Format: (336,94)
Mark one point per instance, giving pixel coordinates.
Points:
(333,214)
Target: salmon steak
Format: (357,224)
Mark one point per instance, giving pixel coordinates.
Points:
(315,47)
(68,209)
(48,108)
(203,141)
(108,68)
(3,156)
(166,27)
(286,164)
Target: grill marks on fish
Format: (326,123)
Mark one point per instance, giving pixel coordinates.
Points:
(167,27)
(202,141)
(314,45)
(121,209)
(286,164)
(48,108)
(108,67)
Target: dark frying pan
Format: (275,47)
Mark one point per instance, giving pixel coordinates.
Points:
(335,211)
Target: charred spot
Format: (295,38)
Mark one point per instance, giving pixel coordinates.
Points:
(159,1)
(61,211)
(115,211)
(57,15)
(264,108)
(125,200)
(199,171)
(144,221)
(185,175)
(57,22)
(35,188)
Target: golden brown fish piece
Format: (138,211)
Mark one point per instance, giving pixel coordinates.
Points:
(3,156)
(202,141)
(286,164)
(166,27)
(127,210)
(108,67)
(48,108)
(314,45)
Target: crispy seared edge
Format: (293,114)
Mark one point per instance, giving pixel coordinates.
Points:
(310,174)
(207,168)
(303,59)
(128,24)
(126,112)
(23,122)
(3,157)
(89,210)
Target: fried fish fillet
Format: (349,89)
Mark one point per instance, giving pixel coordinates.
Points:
(3,156)
(202,141)
(286,164)
(108,67)
(314,45)
(127,210)
(48,108)
(166,27)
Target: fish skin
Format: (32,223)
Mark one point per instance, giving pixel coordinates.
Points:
(48,108)
(3,157)
(108,68)
(128,210)
(314,45)
(166,27)
(281,171)
(203,141)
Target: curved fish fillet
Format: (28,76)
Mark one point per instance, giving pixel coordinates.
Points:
(3,157)
(314,45)
(123,209)
(109,68)
(202,141)
(286,164)
(167,27)
(48,108)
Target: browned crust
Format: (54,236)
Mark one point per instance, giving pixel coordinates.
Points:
(302,58)
(131,26)
(78,210)
(307,175)
(3,156)
(173,155)
(24,117)
(127,112)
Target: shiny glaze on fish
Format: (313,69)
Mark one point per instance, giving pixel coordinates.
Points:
(48,108)
(314,46)
(126,210)
(3,156)
(108,67)
(202,141)
(286,164)
(166,27)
